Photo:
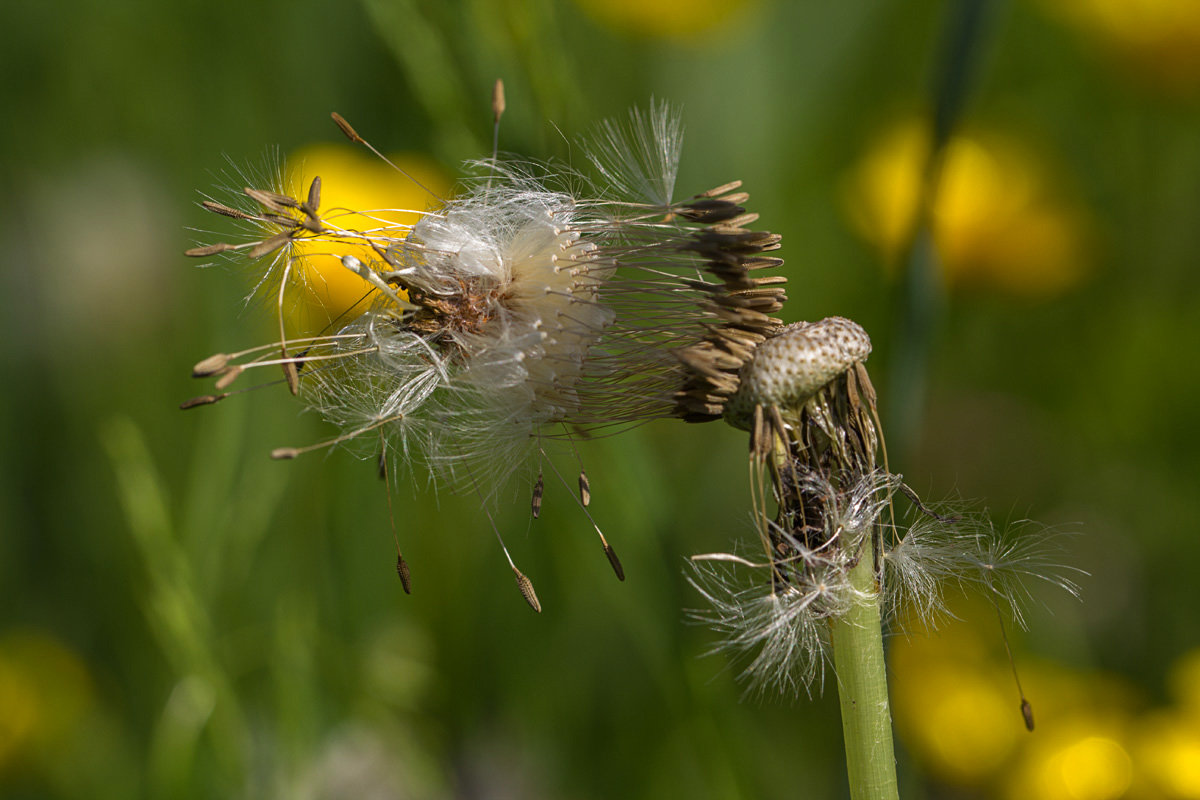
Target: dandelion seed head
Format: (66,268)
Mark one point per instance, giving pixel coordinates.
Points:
(534,303)
(809,405)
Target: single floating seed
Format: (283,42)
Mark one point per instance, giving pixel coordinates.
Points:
(497,100)
(614,561)
(526,587)
(585,488)
(351,134)
(202,400)
(536,503)
(1027,713)
(402,571)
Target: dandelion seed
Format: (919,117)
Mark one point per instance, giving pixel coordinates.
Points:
(535,505)
(526,587)
(202,400)
(228,376)
(210,366)
(585,488)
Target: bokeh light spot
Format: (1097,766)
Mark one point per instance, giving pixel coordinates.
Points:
(1169,753)
(1091,768)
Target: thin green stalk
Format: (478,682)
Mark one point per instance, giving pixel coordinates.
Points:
(921,301)
(862,687)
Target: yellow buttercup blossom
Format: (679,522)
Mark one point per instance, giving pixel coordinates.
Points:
(329,295)
(1159,39)
(667,19)
(998,222)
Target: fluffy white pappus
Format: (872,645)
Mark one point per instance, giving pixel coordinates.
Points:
(960,548)
(1008,564)
(776,629)
(641,157)
(509,312)
(775,615)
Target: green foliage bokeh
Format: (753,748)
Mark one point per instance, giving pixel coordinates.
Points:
(231,625)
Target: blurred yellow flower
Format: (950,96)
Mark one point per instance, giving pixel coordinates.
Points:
(955,704)
(1082,747)
(1168,754)
(998,222)
(331,295)
(44,690)
(1159,39)
(667,19)
(1184,680)
(18,708)
(957,711)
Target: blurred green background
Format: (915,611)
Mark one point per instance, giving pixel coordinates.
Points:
(182,617)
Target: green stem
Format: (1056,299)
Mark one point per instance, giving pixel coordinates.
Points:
(862,687)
